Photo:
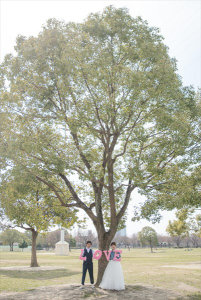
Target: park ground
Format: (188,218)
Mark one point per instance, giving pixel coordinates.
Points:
(164,274)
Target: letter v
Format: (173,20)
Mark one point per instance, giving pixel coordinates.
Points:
(107,255)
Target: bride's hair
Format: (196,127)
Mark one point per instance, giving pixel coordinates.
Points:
(113,243)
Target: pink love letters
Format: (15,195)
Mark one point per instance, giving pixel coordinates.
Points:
(81,257)
(98,253)
(107,255)
(117,254)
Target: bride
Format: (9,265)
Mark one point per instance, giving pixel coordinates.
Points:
(113,278)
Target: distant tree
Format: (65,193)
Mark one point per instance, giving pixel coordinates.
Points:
(39,246)
(54,237)
(195,225)
(148,236)
(42,240)
(72,242)
(164,240)
(23,245)
(187,241)
(51,238)
(195,240)
(123,240)
(11,236)
(134,240)
(160,239)
(82,236)
(179,229)
(169,241)
(177,239)
(28,236)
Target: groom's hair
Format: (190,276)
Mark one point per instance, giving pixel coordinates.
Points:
(113,243)
(88,242)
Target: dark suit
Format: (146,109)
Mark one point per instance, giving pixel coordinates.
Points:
(87,265)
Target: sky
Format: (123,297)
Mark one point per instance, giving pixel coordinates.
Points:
(179,22)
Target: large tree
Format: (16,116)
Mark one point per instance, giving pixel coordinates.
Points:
(26,203)
(97,108)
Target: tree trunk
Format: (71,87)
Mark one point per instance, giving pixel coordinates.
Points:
(11,247)
(151,247)
(104,244)
(34,262)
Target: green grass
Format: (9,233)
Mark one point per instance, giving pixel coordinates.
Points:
(140,266)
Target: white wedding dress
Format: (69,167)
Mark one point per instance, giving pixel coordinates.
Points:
(113,278)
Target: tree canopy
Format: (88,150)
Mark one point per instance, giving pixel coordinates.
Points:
(148,236)
(27,203)
(97,109)
(11,236)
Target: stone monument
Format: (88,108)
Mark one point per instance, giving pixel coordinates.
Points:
(62,247)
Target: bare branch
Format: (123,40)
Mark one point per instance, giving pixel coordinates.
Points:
(77,199)
(129,190)
(127,139)
(52,187)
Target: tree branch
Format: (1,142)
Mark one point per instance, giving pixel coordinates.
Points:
(77,199)
(52,187)
(126,201)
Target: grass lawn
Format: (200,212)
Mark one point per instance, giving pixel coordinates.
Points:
(140,266)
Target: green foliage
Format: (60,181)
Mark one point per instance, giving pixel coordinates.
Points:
(179,227)
(28,235)
(100,103)
(39,247)
(72,242)
(29,204)
(148,236)
(180,185)
(197,225)
(10,236)
(23,245)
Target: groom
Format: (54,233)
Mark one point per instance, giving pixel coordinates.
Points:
(88,264)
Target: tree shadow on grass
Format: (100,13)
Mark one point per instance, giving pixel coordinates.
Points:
(196,296)
(38,275)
